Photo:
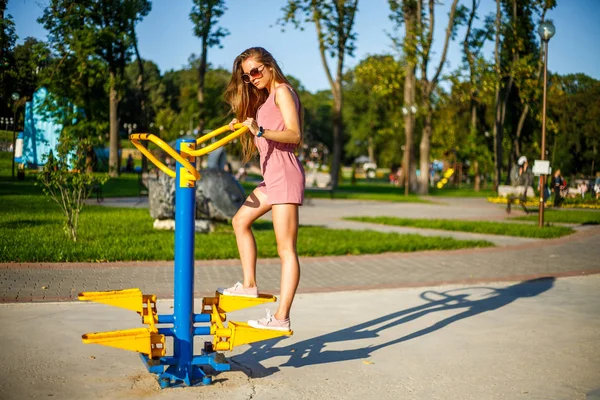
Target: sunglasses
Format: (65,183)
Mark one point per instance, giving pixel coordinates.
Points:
(254,73)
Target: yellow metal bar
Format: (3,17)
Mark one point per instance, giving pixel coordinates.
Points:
(240,129)
(186,178)
(216,132)
(136,137)
(141,340)
(149,313)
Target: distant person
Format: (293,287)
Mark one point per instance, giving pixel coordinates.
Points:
(130,162)
(242,173)
(217,159)
(520,175)
(393,177)
(431,174)
(597,186)
(263,99)
(557,184)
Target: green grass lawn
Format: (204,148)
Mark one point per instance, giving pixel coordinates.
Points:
(461,192)
(32,231)
(494,228)
(7,136)
(591,217)
(126,185)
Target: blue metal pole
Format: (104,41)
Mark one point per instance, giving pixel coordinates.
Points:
(183,313)
(185,211)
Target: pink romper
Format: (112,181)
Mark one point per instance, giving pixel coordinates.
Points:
(282,172)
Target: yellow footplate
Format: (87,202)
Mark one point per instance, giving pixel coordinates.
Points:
(239,333)
(130,299)
(142,340)
(227,304)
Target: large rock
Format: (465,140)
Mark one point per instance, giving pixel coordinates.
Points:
(218,196)
(161,196)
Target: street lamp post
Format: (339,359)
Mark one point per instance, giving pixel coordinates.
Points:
(15,96)
(546,30)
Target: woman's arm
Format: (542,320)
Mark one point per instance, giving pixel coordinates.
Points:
(287,106)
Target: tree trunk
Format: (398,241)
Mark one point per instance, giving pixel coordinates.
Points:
(497,141)
(503,107)
(476,174)
(410,25)
(428,86)
(497,131)
(201,77)
(142,95)
(424,149)
(371,148)
(113,158)
(337,134)
(89,160)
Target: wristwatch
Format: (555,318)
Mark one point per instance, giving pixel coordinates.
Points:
(261,131)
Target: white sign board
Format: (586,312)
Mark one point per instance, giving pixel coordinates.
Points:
(541,167)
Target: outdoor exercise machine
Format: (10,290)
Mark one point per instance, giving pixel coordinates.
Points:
(182,367)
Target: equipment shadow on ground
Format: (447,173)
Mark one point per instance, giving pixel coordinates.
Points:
(313,351)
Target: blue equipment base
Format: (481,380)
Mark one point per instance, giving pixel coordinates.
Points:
(176,375)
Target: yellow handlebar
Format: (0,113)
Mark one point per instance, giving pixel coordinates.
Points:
(240,129)
(136,137)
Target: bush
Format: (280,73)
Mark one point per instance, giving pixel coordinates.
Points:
(69,189)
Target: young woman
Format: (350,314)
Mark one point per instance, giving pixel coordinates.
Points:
(262,99)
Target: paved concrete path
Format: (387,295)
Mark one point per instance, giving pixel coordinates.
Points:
(524,340)
(512,322)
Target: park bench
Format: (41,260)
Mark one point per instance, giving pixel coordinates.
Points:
(515,194)
(317,182)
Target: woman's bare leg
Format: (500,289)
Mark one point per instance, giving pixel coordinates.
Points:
(285,224)
(253,208)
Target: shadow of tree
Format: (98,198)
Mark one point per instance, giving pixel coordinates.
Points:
(313,351)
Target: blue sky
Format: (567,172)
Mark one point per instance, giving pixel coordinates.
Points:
(166,35)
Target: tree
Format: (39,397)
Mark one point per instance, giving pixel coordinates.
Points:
(205,15)
(419,25)
(317,117)
(8,37)
(142,101)
(75,76)
(29,58)
(573,123)
(174,99)
(428,86)
(140,82)
(529,83)
(334,21)
(477,87)
(408,12)
(97,30)
(372,104)
(517,68)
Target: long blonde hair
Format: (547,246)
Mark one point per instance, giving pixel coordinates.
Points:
(245,98)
